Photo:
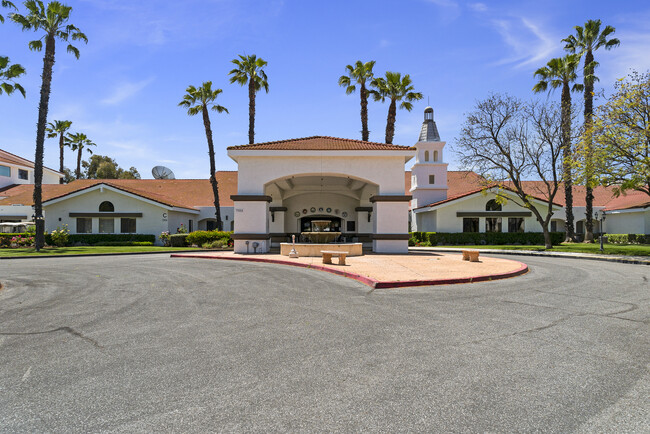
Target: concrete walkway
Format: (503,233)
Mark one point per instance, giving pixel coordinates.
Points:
(391,271)
(641,260)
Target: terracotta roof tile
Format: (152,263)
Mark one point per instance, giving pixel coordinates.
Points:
(632,199)
(321,143)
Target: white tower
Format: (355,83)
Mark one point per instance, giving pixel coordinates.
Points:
(429,173)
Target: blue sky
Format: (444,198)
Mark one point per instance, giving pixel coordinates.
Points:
(141,55)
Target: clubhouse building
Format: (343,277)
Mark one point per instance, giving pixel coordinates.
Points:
(361,189)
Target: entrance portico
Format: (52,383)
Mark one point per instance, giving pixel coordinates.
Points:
(359,185)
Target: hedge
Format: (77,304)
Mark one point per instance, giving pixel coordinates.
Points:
(200,238)
(124,243)
(178,240)
(628,238)
(484,238)
(93,239)
(5,238)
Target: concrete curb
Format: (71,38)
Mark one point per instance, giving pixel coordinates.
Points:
(81,255)
(373,283)
(588,256)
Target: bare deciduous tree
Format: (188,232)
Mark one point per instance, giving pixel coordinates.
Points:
(508,141)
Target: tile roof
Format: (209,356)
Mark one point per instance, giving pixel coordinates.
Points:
(8,157)
(322,143)
(182,193)
(632,199)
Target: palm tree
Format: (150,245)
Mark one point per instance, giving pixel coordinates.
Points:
(59,128)
(52,21)
(587,40)
(8,73)
(561,72)
(250,70)
(79,142)
(6,4)
(396,89)
(359,74)
(200,100)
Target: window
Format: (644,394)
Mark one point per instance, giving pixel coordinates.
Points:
(23,174)
(435,155)
(432,179)
(493,205)
(470,224)
(515,224)
(127,225)
(350,226)
(106,226)
(191,226)
(106,206)
(84,225)
(580,227)
(5,171)
(553,226)
(426,155)
(493,224)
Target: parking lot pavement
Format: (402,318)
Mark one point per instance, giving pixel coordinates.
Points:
(149,343)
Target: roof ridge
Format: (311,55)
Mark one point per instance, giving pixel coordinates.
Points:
(273,142)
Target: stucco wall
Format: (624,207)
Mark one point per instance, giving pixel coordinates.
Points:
(385,171)
(445,219)
(626,222)
(155,219)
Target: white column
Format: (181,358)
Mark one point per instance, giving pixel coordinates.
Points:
(390,224)
(251,223)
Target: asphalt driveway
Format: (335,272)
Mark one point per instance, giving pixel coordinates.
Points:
(150,343)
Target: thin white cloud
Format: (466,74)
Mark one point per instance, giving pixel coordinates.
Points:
(125,90)
(619,61)
(450,8)
(478,7)
(529,44)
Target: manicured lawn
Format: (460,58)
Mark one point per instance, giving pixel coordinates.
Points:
(88,250)
(610,249)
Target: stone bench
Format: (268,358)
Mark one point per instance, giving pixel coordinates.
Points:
(470,255)
(327,256)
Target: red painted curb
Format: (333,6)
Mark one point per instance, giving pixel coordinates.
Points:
(373,283)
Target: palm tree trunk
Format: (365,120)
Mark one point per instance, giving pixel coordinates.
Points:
(390,122)
(61,168)
(364,113)
(589,109)
(251,111)
(78,171)
(566,162)
(213,168)
(48,62)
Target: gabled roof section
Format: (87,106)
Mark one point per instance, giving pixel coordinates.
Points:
(630,200)
(321,143)
(8,157)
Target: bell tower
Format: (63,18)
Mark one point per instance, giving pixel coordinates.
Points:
(429,173)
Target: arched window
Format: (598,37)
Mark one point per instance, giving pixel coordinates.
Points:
(106,206)
(426,155)
(435,155)
(492,205)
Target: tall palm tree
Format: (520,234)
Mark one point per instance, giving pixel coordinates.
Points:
(359,74)
(59,128)
(201,100)
(8,73)
(560,73)
(250,70)
(396,88)
(587,40)
(52,22)
(79,142)
(6,4)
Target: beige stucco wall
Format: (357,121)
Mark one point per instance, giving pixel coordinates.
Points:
(445,219)
(627,222)
(155,218)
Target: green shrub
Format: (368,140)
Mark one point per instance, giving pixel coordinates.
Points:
(178,240)
(93,239)
(124,243)
(60,236)
(5,239)
(199,238)
(216,244)
(628,238)
(483,238)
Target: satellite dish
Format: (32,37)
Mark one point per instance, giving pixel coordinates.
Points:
(162,172)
